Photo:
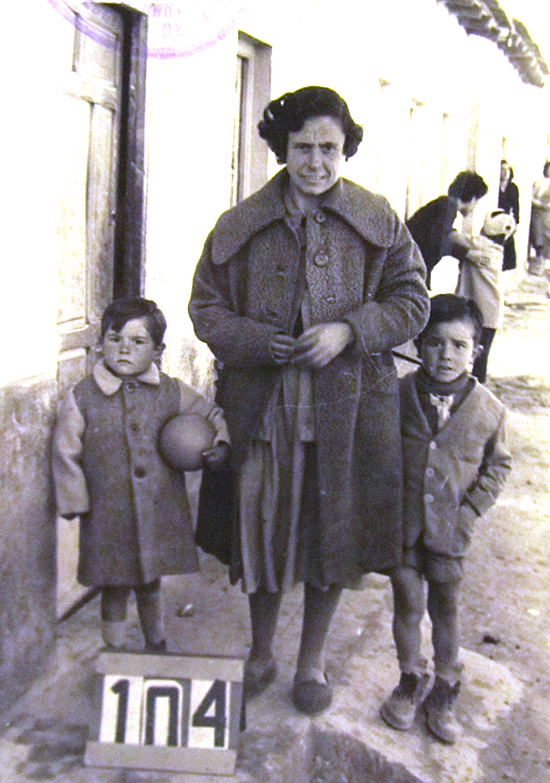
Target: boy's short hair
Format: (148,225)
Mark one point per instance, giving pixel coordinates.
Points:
(121,311)
(450,307)
(467,185)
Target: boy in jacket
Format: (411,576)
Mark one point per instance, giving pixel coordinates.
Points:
(455,462)
(135,520)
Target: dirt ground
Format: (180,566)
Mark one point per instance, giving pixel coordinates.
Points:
(506,604)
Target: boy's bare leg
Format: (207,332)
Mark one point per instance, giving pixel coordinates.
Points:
(151,614)
(443,600)
(408,611)
(114,610)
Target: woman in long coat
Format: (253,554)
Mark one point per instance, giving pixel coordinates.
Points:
(508,200)
(301,292)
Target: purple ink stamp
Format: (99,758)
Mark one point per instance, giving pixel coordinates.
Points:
(176,29)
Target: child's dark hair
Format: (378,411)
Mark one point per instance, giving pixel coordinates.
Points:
(289,113)
(450,307)
(467,185)
(121,311)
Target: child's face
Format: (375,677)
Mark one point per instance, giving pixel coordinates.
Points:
(448,350)
(130,351)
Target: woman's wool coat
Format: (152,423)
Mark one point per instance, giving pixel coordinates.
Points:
(248,285)
(455,476)
(135,520)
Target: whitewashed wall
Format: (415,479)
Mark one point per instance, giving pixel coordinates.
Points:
(421,54)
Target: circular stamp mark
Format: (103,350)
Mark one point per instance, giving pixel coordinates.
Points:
(176,29)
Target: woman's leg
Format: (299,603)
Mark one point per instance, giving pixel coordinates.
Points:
(408,611)
(260,668)
(443,600)
(114,610)
(319,608)
(151,614)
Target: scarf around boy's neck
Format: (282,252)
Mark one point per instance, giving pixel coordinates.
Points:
(428,385)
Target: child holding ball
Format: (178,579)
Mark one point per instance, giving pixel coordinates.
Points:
(135,520)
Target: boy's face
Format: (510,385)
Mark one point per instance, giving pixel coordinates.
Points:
(448,349)
(130,351)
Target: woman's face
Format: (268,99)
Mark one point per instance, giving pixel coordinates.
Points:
(504,172)
(315,155)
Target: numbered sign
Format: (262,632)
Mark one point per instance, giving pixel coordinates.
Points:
(167,712)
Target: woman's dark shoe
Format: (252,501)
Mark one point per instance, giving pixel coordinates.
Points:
(258,675)
(310,696)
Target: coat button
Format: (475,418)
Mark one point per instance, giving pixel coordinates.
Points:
(430,472)
(320,217)
(433,445)
(139,471)
(321,259)
(429,498)
(134,426)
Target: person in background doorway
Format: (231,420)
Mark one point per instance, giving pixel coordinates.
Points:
(480,279)
(539,230)
(455,462)
(508,200)
(432,225)
(135,520)
(301,292)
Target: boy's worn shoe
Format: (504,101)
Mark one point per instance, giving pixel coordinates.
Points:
(258,675)
(310,696)
(400,709)
(439,709)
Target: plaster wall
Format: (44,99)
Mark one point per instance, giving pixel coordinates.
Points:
(38,49)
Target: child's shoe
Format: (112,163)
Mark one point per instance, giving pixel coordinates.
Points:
(399,710)
(439,709)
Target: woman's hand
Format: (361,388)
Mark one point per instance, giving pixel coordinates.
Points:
(282,348)
(320,344)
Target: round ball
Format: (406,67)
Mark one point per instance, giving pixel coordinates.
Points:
(184,438)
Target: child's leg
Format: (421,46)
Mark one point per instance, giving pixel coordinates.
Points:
(150,611)
(408,610)
(114,610)
(399,709)
(443,600)
(260,668)
(439,705)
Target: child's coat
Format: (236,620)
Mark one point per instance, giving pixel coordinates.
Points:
(135,520)
(455,476)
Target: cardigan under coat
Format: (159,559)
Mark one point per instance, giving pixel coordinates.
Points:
(455,476)
(135,520)
(249,285)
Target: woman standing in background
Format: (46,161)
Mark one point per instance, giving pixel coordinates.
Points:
(508,200)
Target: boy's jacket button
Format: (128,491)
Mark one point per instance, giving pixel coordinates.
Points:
(139,471)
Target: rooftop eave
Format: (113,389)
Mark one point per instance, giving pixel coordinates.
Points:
(487,19)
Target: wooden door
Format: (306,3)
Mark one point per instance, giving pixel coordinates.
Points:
(90,123)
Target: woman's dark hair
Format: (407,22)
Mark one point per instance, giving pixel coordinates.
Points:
(450,307)
(467,185)
(121,311)
(289,113)
(546,169)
